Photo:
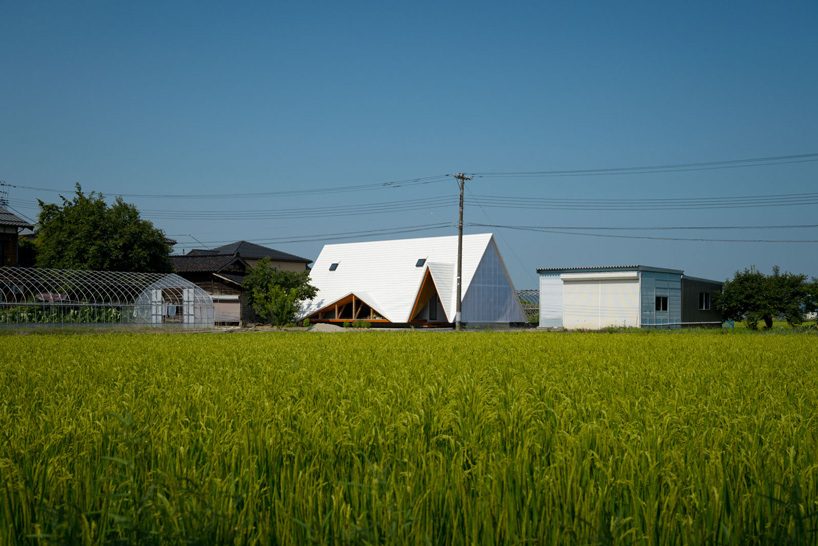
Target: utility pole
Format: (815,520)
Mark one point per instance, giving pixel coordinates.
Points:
(461,182)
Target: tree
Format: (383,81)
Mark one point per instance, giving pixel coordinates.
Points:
(86,233)
(790,294)
(753,297)
(276,295)
(812,298)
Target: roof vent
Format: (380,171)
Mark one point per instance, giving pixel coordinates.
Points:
(333,266)
(421,262)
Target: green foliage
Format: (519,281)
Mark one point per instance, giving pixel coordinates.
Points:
(276,295)
(86,233)
(754,297)
(410,438)
(50,314)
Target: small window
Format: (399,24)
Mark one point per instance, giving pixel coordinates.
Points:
(333,267)
(704,301)
(421,262)
(661,303)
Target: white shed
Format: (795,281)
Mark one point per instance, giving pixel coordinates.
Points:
(412,281)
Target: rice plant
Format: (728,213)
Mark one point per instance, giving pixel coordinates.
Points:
(408,438)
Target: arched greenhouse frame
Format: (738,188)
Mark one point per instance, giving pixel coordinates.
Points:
(60,297)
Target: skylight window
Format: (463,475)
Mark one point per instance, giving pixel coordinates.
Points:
(421,262)
(333,266)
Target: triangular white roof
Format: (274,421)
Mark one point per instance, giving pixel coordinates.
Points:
(385,274)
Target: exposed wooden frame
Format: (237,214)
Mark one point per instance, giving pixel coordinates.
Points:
(427,289)
(358,310)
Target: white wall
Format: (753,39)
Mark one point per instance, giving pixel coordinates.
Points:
(550,301)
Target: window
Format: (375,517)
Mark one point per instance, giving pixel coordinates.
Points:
(433,307)
(333,266)
(704,301)
(421,262)
(661,303)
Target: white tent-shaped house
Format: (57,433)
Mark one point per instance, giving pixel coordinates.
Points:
(412,281)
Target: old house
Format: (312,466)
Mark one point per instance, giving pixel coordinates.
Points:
(220,272)
(10,227)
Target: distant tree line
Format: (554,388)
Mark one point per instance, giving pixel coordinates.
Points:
(755,297)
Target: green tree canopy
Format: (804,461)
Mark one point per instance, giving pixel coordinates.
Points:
(753,297)
(86,233)
(276,295)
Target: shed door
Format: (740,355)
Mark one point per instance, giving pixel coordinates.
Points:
(593,304)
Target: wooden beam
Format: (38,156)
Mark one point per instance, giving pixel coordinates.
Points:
(427,288)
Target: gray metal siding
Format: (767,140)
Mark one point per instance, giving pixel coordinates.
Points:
(661,284)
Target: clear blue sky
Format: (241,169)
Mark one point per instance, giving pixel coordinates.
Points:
(197,97)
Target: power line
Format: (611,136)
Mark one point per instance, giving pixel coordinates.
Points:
(334,236)
(390,184)
(306,212)
(648,237)
(667,228)
(670,203)
(670,167)
(427,203)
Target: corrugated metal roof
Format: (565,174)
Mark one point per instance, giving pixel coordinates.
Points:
(8,218)
(604,268)
(385,271)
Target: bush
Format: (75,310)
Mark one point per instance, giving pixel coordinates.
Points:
(276,295)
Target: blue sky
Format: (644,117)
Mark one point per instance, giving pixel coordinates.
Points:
(214,98)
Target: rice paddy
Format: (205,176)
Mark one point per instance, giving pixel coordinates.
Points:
(409,438)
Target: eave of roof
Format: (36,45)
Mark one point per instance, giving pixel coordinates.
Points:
(253,251)
(604,268)
(701,279)
(8,218)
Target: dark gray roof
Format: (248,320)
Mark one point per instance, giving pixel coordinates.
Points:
(8,218)
(201,263)
(605,268)
(250,251)
(700,279)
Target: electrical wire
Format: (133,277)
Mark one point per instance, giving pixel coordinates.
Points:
(334,236)
(390,184)
(669,228)
(646,237)
(649,204)
(306,212)
(666,168)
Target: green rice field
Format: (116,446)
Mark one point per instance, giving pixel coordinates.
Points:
(409,438)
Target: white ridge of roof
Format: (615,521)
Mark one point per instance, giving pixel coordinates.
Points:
(386,272)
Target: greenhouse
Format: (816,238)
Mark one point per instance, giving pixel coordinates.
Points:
(31,296)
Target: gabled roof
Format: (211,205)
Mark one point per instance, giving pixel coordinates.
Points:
(605,268)
(8,218)
(253,251)
(202,263)
(388,272)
